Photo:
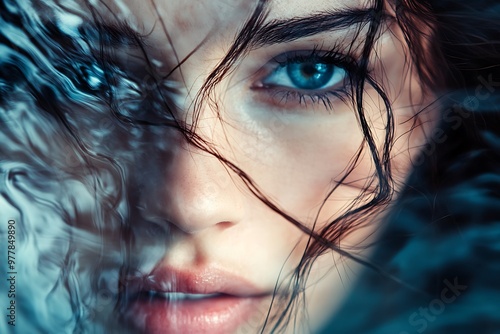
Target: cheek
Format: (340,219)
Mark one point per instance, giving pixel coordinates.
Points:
(298,162)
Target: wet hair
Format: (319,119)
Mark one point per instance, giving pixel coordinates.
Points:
(438,240)
(51,71)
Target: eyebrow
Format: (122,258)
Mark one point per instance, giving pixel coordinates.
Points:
(286,30)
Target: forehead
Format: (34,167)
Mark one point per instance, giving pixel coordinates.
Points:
(287,8)
(187,23)
(188,14)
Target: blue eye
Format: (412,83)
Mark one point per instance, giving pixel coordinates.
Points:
(306,75)
(310,75)
(300,79)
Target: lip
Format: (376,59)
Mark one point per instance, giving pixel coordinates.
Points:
(231,301)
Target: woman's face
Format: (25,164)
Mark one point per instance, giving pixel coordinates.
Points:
(284,115)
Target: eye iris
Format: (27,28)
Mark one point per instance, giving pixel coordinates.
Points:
(310,75)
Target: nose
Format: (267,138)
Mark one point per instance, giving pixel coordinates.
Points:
(201,192)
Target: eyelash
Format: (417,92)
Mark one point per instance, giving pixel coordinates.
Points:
(286,97)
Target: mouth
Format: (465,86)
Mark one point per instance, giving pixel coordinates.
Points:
(204,302)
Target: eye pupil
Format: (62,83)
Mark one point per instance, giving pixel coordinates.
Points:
(308,70)
(310,75)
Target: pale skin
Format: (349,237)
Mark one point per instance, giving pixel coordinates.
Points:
(294,152)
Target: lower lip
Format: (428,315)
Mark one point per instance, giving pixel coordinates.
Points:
(220,314)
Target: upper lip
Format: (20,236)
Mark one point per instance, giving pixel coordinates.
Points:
(206,280)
